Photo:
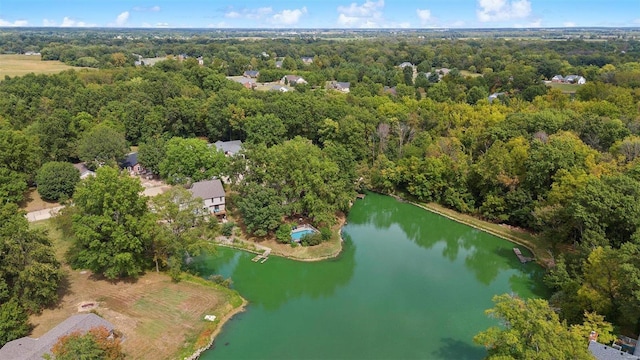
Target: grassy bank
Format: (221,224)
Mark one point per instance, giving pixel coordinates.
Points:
(156,315)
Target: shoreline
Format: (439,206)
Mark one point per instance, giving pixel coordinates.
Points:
(218,329)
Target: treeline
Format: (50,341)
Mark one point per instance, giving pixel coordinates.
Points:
(564,166)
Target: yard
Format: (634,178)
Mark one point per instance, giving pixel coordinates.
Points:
(19,65)
(566,88)
(156,315)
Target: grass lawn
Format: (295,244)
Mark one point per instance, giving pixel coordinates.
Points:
(156,315)
(34,202)
(566,88)
(466,73)
(18,65)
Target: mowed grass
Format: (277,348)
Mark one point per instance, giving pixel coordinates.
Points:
(19,65)
(565,88)
(33,202)
(159,318)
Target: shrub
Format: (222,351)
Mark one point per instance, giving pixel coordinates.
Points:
(283,234)
(57,180)
(311,239)
(227,229)
(325,232)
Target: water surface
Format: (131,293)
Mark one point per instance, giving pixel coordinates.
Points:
(409,284)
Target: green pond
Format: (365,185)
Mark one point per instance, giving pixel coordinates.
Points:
(408,284)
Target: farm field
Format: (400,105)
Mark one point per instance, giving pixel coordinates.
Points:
(19,65)
(156,315)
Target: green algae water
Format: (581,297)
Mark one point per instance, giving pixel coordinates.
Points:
(409,284)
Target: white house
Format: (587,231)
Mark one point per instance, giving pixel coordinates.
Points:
(212,193)
(292,80)
(575,79)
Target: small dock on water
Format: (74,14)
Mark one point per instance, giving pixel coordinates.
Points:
(523,259)
(262,257)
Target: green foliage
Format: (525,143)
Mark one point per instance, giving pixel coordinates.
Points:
(283,234)
(151,153)
(13,185)
(325,233)
(14,321)
(220,280)
(227,229)
(113,227)
(261,208)
(531,330)
(312,239)
(57,180)
(29,270)
(102,145)
(181,229)
(191,160)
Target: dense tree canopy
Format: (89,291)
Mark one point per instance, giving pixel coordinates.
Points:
(112,225)
(191,160)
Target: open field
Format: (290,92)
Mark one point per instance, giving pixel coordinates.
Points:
(18,65)
(566,88)
(156,315)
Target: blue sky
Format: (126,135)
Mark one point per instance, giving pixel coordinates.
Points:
(320,13)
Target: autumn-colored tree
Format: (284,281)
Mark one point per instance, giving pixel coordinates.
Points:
(96,344)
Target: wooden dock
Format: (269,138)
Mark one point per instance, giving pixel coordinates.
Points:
(262,257)
(523,259)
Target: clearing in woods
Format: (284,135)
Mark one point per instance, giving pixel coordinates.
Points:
(19,65)
(156,315)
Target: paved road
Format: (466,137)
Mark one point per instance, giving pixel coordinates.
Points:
(48,213)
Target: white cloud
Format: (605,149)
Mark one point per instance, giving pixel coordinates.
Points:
(251,14)
(569,24)
(162,24)
(13,23)
(457,24)
(424,15)
(368,15)
(288,17)
(219,25)
(121,20)
(47,22)
(502,10)
(70,22)
(146,9)
(532,24)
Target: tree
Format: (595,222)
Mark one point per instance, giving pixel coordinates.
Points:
(57,180)
(264,129)
(14,321)
(102,145)
(112,226)
(29,270)
(191,160)
(261,209)
(183,226)
(530,330)
(19,153)
(96,344)
(151,153)
(13,185)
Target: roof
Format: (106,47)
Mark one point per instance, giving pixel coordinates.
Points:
(279,88)
(251,73)
(82,168)
(293,79)
(342,85)
(558,77)
(405,64)
(27,348)
(207,189)
(232,147)
(245,80)
(130,160)
(605,352)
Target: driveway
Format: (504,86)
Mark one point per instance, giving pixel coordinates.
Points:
(51,212)
(43,214)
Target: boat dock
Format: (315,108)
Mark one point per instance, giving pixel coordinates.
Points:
(262,257)
(523,259)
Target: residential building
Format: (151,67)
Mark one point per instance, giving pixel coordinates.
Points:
(212,193)
(557,79)
(248,83)
(251,74)
(405,64)
(307,60)
(132,165)
(27,348)
(340,86)
(292,80)
(229,148)
(575,79)
(84,170)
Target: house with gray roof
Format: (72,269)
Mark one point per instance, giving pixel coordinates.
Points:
(292,80)
(229,148)
(340,86)
(607,352)
(212,193)
(84,170)
(27,348)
